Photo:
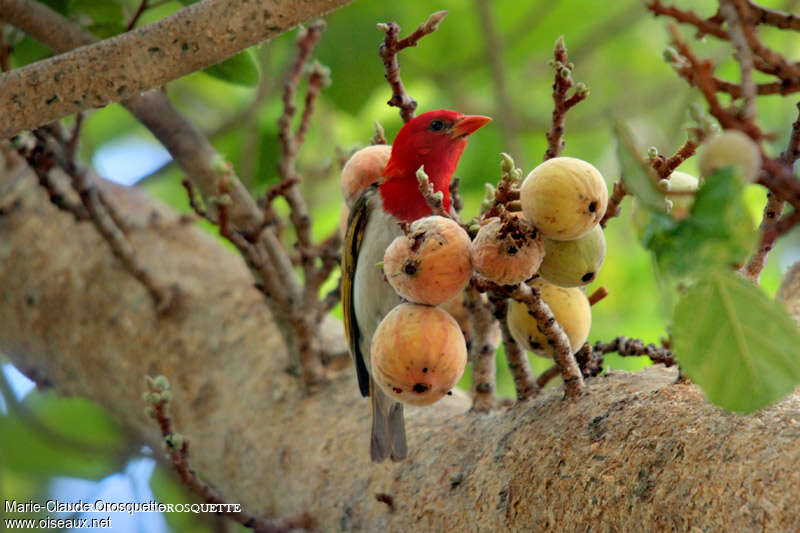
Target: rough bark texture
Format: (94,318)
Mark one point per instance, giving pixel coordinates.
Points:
(637,453)
(95,75)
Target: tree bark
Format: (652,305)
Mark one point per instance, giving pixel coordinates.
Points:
(637,452)
(116,69)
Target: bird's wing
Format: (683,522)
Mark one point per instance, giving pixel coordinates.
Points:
(356,225)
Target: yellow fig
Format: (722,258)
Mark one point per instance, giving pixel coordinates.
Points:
(417,354)
(430,265)
(564,197)
(571,309)
(574,263)
(731,148)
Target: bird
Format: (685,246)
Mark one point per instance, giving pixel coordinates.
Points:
(434,140)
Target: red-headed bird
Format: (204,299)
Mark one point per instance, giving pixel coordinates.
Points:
(434,140)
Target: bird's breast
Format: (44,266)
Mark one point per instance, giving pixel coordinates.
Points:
(373,297)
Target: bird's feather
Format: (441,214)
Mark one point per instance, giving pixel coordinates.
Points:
(356,226)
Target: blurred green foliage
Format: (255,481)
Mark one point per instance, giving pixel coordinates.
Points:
(617,49)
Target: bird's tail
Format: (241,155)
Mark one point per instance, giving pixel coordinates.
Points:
(388,428)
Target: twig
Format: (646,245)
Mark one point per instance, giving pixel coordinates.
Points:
(524,380)
(773,17)
(737,25)
(699,74)
(143,6)
(435,200)
(176,446)
(772,211)
(5,52)
(598,295)
(380,135)
(613,208)
(774,61)
(704,26)
(482,350)
(391,47)
(456,202)
(53,148)
(562,84)
(547,376)
(626,347)
(665,166)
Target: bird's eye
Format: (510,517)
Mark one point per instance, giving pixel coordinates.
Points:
(437,125)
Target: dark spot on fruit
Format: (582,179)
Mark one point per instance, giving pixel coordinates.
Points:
(410,269)
(511,250)
(425,370)
(535,345)
(449,393)
(593,207)
(589,276)
(397,390)
(419,388)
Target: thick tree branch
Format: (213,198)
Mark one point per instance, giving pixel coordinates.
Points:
(637,444)
(194,38)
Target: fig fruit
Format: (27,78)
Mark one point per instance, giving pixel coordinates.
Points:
(731,148)
(574,263)
(430,265)
(364,168)
(564,197)
(417,354)
(571,309)
(507,253)
(681,189)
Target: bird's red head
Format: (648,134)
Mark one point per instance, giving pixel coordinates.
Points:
(434,140)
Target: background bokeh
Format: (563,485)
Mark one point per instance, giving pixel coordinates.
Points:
(488,57)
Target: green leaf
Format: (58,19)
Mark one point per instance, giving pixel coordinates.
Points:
(718,233)
(739,346)
(105,12)
(241,69)
(60,436)
(637,174)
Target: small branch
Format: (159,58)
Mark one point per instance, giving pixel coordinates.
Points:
(562,84)
(592,358)
(176,446)
(54,150)
(737,25)
(598,295)
(699,74)
(687,150)
(143,6)
(704,26)
(548,375)
(773,17)
(391,47)
(456,202)
(380,135)
(482,350)
(774,62)
(524,380)
(772,211)
(613,209)
(432,198)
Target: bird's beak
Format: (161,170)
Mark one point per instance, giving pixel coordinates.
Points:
(468,124)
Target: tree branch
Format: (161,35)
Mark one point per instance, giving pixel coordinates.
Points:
(194,38)
(636,444)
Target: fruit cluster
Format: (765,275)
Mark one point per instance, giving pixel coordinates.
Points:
(418,352)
